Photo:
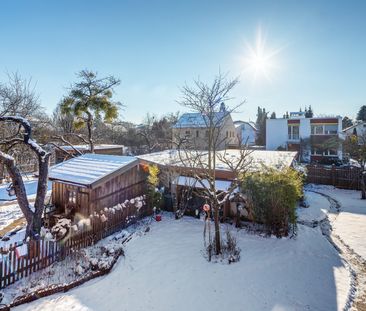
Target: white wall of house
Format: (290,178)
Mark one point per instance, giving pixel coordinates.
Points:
(276,133)
(246,133)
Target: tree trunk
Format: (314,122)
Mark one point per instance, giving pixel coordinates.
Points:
(217,229)
(18,185)
(43,164)
(90,136)
(363,187)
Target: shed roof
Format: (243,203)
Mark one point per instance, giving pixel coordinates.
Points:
(90,169)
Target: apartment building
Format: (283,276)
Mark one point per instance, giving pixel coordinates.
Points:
(316,139)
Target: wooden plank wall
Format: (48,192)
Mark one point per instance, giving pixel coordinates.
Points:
(118,189)
(60,197)
(346,178)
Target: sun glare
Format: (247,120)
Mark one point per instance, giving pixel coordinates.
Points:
(260,60)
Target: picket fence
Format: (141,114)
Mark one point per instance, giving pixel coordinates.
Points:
(19,260)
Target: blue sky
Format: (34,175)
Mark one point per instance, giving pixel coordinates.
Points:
(155,47)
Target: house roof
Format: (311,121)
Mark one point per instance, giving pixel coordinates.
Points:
(240,123)
(256,158)
(90,169)
(196,119)
(356,124)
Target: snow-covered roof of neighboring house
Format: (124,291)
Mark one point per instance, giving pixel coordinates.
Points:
(256,158)
(90,169)
(240,123)
(87,147)
(196,119)
(358,123)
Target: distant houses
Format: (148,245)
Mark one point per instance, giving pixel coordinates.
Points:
(316,139)
(246,132)
(192,130)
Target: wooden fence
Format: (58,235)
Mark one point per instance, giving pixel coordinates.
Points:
(346,178)
(16,263)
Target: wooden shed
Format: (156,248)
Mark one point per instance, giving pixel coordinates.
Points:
(92,182)
(61,156)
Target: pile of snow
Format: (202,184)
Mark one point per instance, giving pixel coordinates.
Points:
(165,270)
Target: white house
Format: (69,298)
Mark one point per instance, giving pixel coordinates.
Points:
(314,138)
(358,129)
(246,132)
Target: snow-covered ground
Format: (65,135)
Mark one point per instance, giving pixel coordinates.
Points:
(9,211)
(350,223)
(30,186)
(165,270)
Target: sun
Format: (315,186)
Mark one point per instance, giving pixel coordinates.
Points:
(260,60)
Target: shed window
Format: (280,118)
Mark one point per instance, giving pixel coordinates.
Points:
(72,196)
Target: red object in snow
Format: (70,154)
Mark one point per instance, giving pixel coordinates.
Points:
(206,207)
(158,217)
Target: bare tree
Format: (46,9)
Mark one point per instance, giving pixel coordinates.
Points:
(17,97)
(207,100)
(23,135)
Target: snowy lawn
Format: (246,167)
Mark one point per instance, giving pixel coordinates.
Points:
(11,211)
(30,186)
(350,224)
(165,270)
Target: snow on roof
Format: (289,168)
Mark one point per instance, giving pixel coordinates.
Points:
(89,168)
(196,119)
(240,123)
(256,158)
(96,147)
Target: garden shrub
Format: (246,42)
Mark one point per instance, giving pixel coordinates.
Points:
(272,196)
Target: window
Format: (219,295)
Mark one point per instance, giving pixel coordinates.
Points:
(188,133)
(293,132)
(330,152)
(324,129)
(331,129)
(206,133)
(197,133)
(72,196)
(227,134)
(317,130)
(316,151)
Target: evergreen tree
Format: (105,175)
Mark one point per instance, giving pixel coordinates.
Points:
(90,100)
(346,122)
(273,115)
(361,115)
(262,116)
(309,112)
